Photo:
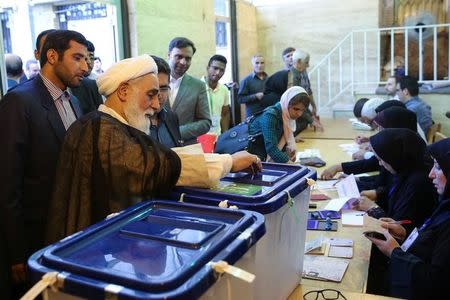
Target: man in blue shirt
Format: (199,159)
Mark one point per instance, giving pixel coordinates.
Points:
(251,89)
(408,93)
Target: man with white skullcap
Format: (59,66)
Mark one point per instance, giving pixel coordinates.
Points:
(109,161)
(368,112)
(295,75)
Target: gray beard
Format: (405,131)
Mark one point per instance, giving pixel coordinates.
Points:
(136,118)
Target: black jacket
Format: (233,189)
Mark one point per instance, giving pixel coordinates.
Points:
(31,134)
(88,95)
(423,271)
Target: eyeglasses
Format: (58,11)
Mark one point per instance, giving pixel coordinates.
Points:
(327,294)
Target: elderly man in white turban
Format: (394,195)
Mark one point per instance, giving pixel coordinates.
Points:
(109,162)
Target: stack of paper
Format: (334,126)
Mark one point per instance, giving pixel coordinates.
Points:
(307,153)
(325,184)
(314,244)
(324,268)
(341,248)
(352,217)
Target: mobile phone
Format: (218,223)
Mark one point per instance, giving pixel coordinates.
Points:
(375,235)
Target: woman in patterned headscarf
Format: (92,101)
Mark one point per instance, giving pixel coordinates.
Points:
(275,126)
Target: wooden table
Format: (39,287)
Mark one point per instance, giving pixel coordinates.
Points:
(355,278)
(334,129)
(330,151)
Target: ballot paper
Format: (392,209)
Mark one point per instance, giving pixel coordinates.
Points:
(341,242)
(349,148)
(344,252)
(325,184)
(347,187)
(324,268)
(314,244)
(352,217)
(338,203)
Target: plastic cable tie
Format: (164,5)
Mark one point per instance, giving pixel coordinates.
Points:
(61,277)
(310,181)
(223,204)
(245,235)
(290,201)
(112,215)
(223,267)
(47,280)
(112,289)
(71,236)
(181,197)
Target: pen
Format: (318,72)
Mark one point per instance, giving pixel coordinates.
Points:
(403,222)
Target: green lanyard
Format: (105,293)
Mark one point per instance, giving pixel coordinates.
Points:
(210,101)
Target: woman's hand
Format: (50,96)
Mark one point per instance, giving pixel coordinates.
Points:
(387,246)
(361,139)
(396,230)
(292,154)
(358,155)
(371,194)
(330,172)
(316,125)
(363,203)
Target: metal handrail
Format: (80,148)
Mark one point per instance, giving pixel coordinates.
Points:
(351,73)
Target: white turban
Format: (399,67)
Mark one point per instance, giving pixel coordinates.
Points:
(124,70)
(368,109)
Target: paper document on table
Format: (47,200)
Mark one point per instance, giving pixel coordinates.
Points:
(341,242)
(352,218)
(350,148)
(324,268)
(325,184)
(337,204)
(361,126)
(313,244)
(347,187)
(344,252)
(307,153)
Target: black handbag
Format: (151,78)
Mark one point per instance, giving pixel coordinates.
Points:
(235,139)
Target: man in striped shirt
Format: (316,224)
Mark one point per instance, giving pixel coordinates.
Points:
(34,117)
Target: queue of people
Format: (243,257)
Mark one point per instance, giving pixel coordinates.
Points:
(43,128)
(80,143)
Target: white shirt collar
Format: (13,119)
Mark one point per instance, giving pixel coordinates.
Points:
(107,110)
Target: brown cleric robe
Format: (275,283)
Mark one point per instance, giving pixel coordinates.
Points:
(104,167)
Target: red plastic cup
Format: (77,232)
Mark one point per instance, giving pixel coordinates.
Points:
(208,142)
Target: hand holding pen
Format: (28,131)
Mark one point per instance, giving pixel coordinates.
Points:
(395,228)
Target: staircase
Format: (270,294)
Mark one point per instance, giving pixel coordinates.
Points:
(361,62)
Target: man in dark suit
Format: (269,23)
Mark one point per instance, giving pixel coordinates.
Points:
(188,94)
(87,92)
(164,124)
(34,117)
